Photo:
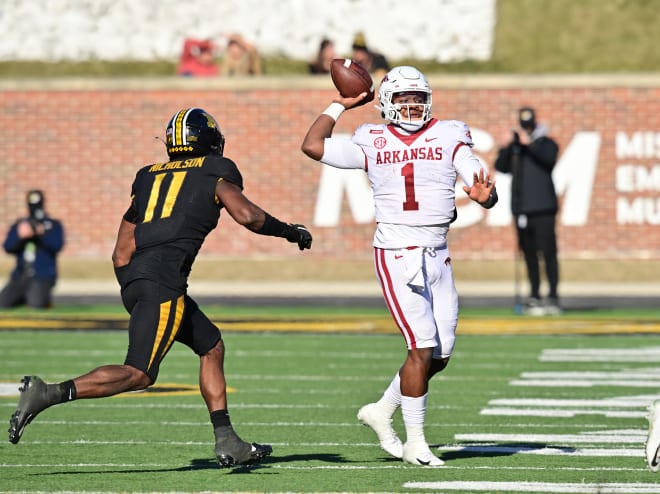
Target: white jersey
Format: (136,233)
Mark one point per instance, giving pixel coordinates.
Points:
(413,177)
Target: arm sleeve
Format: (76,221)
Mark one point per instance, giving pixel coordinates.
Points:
(467,164)
(343,153)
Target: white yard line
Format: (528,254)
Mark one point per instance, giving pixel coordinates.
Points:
(586,488)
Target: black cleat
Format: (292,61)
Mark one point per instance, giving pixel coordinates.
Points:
(33,399)
(245,454)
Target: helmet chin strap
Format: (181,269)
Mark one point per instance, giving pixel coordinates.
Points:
(412,126)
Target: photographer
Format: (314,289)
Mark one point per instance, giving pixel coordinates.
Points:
(35,241)
(530,155)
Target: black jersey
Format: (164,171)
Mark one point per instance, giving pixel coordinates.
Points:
(174,207)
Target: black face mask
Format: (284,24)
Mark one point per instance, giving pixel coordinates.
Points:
(35,202)
(527,119)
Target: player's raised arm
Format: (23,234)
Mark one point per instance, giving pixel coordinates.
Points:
(355,88)
(313,143)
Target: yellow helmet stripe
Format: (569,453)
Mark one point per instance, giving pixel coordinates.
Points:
(179,137)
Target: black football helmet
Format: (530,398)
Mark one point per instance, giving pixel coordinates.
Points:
(192,131)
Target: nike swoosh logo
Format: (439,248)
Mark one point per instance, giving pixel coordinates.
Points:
(423,462)
(397,257)
(656,458)
(429,139)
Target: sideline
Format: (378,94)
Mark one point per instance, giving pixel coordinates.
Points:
(514,325)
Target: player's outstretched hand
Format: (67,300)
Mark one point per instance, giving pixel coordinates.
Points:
(482,190)
(300,235)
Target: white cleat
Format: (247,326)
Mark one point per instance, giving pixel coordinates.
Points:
(653,440)
(370,416)
(420,454)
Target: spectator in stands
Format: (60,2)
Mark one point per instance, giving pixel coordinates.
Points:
(35,241)
(324,57)
(198,59)
(240,58)
(375,63)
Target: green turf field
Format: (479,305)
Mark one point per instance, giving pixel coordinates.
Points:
(526,405)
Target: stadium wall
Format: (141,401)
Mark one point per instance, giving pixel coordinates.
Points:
(149,30)
(82,140)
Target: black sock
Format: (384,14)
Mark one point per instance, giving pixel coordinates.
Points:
(64,391)
(220,418)
(223,431)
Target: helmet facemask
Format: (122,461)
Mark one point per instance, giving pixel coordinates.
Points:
(409,84)
(411,115)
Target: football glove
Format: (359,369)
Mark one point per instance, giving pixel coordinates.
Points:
(300,235)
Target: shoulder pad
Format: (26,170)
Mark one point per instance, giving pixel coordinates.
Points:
(366,133)
(459,131)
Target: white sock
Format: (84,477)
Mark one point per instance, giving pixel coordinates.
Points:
(391,399)
(414,411)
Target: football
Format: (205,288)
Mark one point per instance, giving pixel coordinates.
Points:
(351,79)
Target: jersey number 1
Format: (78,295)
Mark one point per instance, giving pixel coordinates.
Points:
(408,174)
(170,196)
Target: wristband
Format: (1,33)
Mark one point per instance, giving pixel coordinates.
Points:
(492,200)
(274,227)
(334,110)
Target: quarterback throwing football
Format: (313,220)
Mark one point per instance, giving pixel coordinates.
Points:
(412,163)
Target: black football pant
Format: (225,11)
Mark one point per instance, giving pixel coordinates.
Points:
(28,291)
(159,317)
(539,236)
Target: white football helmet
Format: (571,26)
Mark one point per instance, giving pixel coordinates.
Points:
(404,79)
